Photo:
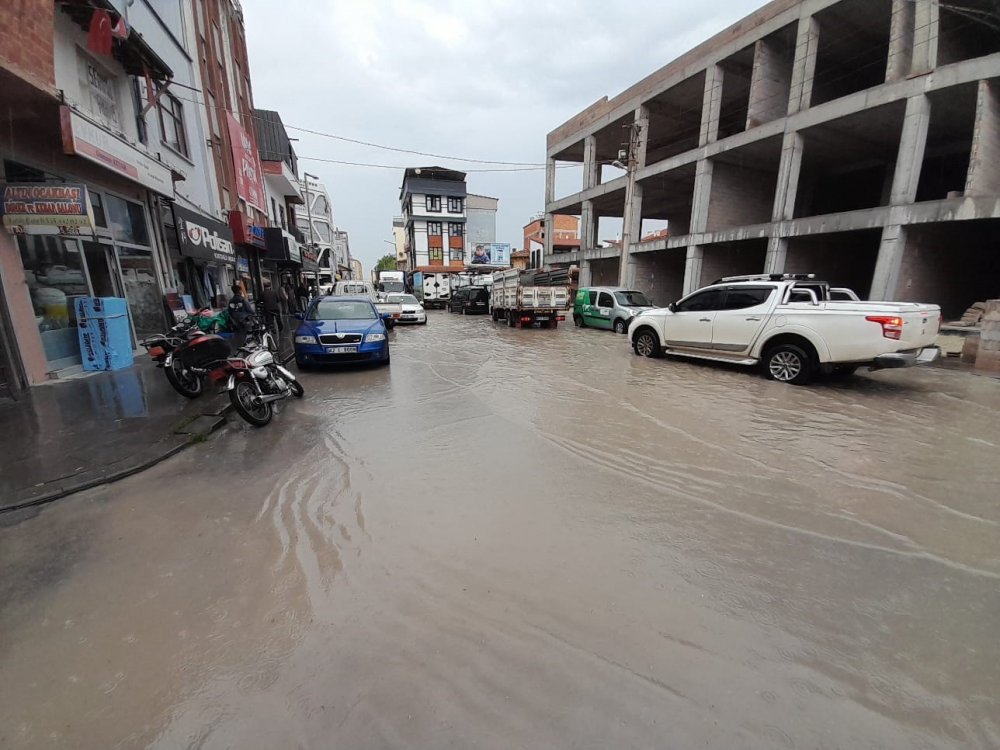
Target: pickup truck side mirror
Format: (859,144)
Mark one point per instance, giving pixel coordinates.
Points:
(672,307)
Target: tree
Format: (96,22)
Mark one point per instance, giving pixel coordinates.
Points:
(386,263)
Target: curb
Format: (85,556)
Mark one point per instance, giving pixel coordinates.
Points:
(124,473)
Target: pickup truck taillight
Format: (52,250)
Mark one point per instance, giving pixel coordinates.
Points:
(892,327)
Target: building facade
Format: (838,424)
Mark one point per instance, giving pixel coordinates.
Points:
(340,252)
(356,270)
(566,239)
(481,219)
(855,139)
(96,125)
(399,240)
(315,217)
(433,203)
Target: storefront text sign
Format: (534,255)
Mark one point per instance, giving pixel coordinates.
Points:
(245,233)
(202,237)
(34,208)
(249,176)
(86,139)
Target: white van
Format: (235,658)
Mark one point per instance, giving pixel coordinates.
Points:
(389,311)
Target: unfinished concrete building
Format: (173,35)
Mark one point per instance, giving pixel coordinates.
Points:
(856,139)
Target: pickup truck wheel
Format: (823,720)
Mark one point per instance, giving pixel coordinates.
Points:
(646,344)
(619,326)
(788,363)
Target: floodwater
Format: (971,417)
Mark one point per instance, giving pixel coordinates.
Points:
(529,539)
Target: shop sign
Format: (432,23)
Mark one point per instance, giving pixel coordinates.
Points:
(99,87)
(204,238)
(34,208)
(249,175)
(86,139)
(242,265)
(245,233)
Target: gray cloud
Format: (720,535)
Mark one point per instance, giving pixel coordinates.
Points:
(485,79)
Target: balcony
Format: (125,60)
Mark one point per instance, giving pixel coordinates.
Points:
(282,180)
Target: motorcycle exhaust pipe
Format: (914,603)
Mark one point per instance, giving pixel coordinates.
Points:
(272,397)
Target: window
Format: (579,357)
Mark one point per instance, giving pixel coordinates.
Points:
(434,228)
(593,298)
(456,229)
(632,299)
(455,205)
(98,204)
(281,213)
(605,300)
(327,309)
(172,123)
(213,114)
(139,100)
(434,204)
(127,221)
(274,210)
(703,301)
(739,299)
(436,253)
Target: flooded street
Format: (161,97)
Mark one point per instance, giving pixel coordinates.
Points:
(529,539)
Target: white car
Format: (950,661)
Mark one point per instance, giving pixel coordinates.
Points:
(412,311)
(793,326)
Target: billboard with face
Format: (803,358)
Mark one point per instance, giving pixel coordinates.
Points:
(490,254)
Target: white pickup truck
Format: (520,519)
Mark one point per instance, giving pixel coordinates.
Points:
(792,326)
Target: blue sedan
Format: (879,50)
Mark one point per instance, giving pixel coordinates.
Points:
(341,330)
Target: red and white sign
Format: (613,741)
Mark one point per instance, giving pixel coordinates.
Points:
(87,139)
(249,175)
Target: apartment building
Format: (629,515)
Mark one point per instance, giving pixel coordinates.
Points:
(856,139)
(433,203)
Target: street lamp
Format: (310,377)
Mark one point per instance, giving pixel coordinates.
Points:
(309,215)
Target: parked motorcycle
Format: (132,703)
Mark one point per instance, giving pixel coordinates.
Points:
(189,350)
(254,381)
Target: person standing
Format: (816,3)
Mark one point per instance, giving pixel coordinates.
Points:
(239,309)
(272,307)
(303,295)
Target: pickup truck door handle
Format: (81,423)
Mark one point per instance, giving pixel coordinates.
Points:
(757,319)
(704,320)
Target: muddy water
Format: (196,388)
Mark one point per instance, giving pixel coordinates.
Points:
(529,539)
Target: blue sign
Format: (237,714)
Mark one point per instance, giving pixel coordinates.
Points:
(242,265)
(256,236)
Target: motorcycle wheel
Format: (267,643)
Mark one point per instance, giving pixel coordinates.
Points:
(185,383)
(297,390)
(243,397)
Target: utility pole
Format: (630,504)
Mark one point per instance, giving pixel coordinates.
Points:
(631,166)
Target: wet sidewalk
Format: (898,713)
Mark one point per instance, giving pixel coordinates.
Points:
(69,435)
(72,434)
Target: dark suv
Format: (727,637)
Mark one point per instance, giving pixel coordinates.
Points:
(470,300)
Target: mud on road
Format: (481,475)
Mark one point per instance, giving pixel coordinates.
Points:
(529,539)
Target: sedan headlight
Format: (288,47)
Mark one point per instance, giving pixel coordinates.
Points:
(305,339)
(371,338)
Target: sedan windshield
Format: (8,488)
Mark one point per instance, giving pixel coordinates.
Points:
(632,299)
(332,309)
(403,299)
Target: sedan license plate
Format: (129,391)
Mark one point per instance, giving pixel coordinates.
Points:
(341,350)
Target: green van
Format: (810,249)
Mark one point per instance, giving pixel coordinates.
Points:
(610,307)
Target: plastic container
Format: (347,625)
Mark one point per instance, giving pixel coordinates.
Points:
(105,335)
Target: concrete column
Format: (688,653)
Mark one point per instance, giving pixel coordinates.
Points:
(711,105)
(770,82)
(585,274)
(804,65)
(591,169)
(632,215)
(900,40)
(984,164)
(549,227)
(925,36)
(890,258)
(588,225)
(789,170)
(777,251)
(550,181)
(692,268)
(911,150)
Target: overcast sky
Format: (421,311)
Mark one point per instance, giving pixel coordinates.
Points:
(481,79)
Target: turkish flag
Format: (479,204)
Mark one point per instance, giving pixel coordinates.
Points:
(99,36)
(120,29)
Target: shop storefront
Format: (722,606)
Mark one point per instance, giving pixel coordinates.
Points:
(77,240)
(250,245)
(203,256)
(283,259)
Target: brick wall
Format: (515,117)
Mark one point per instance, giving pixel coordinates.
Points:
(27,30)
(740,196)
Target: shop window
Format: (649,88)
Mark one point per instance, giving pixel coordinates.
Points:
(127,220)
(54,274)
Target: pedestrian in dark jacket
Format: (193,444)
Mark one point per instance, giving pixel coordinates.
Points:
(272,306)
(303,295)
(239,307)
